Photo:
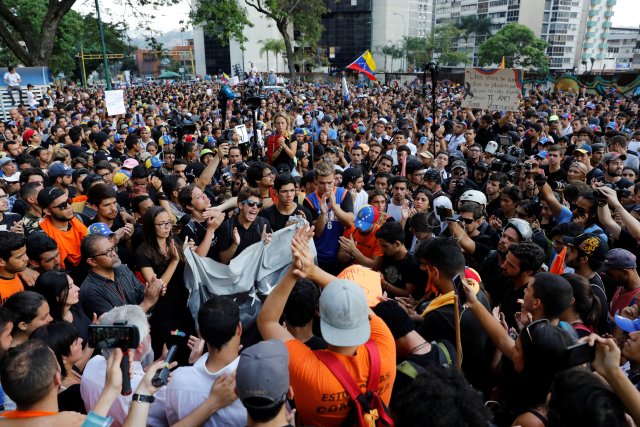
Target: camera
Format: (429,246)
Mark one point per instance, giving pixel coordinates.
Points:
(621,193)
(504,140)
(558,185)
(528,167)
(459,183)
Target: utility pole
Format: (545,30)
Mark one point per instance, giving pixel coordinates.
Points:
(107,74)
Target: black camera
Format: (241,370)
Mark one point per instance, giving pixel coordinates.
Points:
(621,193)
(558,185)
(459,183)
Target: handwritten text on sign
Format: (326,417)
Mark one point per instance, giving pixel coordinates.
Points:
(492,89)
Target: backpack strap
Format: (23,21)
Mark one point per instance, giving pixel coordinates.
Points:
(340,372)
(444,357)
(347,381)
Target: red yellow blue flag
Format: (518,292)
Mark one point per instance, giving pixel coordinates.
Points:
(365,65)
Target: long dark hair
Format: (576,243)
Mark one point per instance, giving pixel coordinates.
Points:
(149,247)
(543,347)
(54,286)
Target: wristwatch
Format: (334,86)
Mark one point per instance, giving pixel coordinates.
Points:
(142,398)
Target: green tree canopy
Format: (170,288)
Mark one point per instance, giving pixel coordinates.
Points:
(443,42)
(31,29)
(518,45)
(227,18)
(76,32)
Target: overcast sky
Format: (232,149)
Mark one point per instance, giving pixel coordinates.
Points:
(168,18)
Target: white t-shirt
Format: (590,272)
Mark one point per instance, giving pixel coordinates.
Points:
(12,79)
(92,385)
(190,387)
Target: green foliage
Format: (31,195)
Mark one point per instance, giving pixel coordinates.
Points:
(473,24)
(275,46)
(227,19)
(224,19)
(519,46)
(445,40)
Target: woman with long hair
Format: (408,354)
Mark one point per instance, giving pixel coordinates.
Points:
(161,255)
(62,295)
(584,313)
(281,148)
(30,310)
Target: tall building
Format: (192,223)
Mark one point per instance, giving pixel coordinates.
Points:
(347,30)
(573,28)
(212,57)
(622,53)
(596,27)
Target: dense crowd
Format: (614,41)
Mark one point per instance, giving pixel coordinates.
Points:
(505,245)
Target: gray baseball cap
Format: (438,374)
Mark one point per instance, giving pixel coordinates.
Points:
(344,314)
(262,377)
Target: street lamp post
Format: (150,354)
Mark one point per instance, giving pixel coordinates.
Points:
(107,75)
(434,69)
(404,25)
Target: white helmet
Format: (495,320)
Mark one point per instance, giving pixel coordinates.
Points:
(474,196)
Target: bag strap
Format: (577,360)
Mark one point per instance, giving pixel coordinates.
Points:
(340,372)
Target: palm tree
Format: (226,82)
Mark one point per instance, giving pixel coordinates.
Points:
(272,45)
(386,50)
(278,48)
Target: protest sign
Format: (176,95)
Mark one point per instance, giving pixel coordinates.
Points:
(241,130)
(367,279)
(498,89)
(115,102)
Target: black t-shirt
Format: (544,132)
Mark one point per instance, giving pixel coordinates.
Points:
(400,272)
(247,236)
(278,220)
(559,175)
(196,231)
(493,206)
(509,304)
(439,325)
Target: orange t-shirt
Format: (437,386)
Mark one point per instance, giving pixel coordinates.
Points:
(68,241)
(9,287)
(368,243)
(320,398)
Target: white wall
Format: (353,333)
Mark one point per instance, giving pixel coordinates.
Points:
(388,28)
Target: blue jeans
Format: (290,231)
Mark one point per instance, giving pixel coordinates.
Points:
(12,89)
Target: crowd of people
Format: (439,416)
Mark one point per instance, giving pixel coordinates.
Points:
(505,245)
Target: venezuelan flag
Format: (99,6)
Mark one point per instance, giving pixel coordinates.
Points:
(365,65)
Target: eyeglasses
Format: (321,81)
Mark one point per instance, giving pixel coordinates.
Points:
(531,325)
(109,252)
(166,224)
(103,175)
(459,173)
(252,204)
(467,220)
(62,206)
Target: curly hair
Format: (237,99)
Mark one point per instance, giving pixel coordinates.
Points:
(440,397)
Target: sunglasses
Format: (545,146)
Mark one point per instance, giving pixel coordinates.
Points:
(579,210)
(531,325)
(252,204)
(467,220)
(62,206)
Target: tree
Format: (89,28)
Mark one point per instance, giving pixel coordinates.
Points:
(518,45)
(29,29)
(76,33)
(445,41)
(271,45)
(473,24)
(226,19)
